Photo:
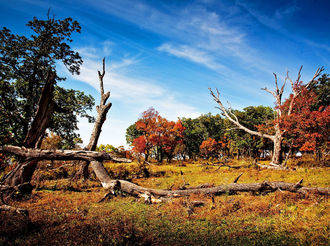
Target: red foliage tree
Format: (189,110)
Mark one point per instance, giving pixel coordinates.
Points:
(307,129)
(210,148)
(159,135)
(171,137)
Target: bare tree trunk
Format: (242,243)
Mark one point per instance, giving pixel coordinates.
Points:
(25,169)
(102,111)
(138,191)
(152,194)
(277,153)
(101,173)
(39,155)
(22,174)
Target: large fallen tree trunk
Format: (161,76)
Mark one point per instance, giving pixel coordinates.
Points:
(233,188)
(38,155)
(139,191)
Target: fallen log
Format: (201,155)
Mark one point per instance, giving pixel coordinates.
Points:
(38,154)
(139,191)
(272,166)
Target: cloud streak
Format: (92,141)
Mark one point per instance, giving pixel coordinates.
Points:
(130,96)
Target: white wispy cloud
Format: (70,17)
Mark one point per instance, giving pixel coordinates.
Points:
(130,96)
(192,54)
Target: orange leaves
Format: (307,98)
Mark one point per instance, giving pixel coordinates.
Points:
(306,127)
(52,141)
(158,133)
(211,148)
(140,144)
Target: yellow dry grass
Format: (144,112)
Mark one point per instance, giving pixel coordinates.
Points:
(65,212)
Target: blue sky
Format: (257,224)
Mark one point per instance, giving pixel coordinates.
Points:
(166,54)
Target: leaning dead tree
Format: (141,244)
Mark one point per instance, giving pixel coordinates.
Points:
(102,111)
(25,168)
(276,138)
(27,164)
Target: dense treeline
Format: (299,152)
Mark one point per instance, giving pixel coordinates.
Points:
(214,136)
(206,136)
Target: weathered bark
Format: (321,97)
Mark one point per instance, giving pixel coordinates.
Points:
(277,153)
(138,191)
(22,174)
(102,174)
(102,111)
(38,155)
(35,133)
(43,114)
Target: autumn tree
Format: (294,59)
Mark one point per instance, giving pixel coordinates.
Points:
(147,126)
(210,148)
(155,135)
(277,136)
(307,127)
(172,136)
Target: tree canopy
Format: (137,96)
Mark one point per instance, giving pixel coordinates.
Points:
(25,64)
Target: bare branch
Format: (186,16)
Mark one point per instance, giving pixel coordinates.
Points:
(276,84)
(101,76)
(269,91)
(229,115)
(299,74)
(317,74)
(237,178)
(286,78)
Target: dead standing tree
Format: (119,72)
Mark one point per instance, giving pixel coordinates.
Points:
(276,138)
(102,111)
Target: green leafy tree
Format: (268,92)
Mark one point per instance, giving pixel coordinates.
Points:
(132,133)
(200,129)
(193,136)
(246,144)
(25,64)
(31,99)
(322,90)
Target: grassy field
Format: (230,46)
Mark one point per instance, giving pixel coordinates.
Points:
(65,212)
